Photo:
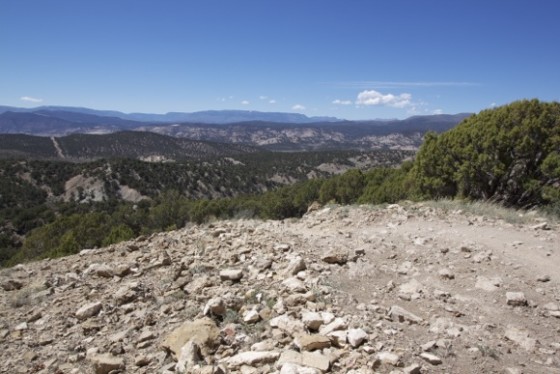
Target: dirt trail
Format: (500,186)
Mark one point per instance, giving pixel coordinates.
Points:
(57,147)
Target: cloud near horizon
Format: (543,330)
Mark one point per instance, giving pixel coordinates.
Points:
(342,102)
(245,102)
(372,97)
(298,107)
(31,99)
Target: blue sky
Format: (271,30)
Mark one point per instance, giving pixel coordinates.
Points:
(353,59)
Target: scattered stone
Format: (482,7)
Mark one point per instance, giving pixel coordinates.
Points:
(521,337)
(543,278)
(251,316)
(203,332)
(413,369)
(446,274)
(488,284)
(312,320)
(252,358)
(356,337)
(295,266)
(189,356)
(231,275)
(89,310)
(336,256)
(402,315)
(106,363)
(432,359)
(290,368)
(142,360)
(310,359)
(215,306)
(389,358)
(516,299)
(311,342)
(541,226)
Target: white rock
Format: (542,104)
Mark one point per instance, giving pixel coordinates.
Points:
(400,314)
(252,358)
(294,285)
(432,359)
(356,337)
(516,298)
(251,316)
(312,320)
(290,368)
(389,358)
(231,274)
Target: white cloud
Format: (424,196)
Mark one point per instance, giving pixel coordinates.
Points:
(272,101)
(342,102)
(262,97)
(30,99)
(373,97)
(437,111)
(493,105)
(392,84)
(245,102)
(298,107)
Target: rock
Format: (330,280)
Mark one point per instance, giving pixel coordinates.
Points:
(312,320)
(142,360)
(541,226)
(335,256)
(446,274)
(215,306)
(396,313)
(432,359)
(251,316)
(411,287)
(11,285)
(252,358)
(413,369)
(287,324)
(337,324)
(126,294)
(356,337)
(231,274)
(289,368)
(488,284)
(203,332)
(543,278)
(105,363)
(389,358)
(516,298)
(282,247)
(521,337)
(295,285)
(21,327)
(103,270)
(189,356)
(295,266)
(89,310)
(310,359)
(311,342)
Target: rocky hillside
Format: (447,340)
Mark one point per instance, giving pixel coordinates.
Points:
(400,289)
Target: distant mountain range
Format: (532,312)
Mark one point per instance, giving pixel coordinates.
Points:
(209,116)
(272,133)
